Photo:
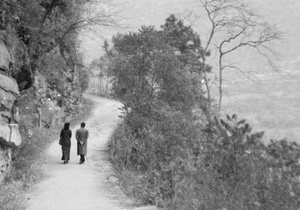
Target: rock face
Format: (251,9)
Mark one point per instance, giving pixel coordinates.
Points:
(4,56)
(9,129)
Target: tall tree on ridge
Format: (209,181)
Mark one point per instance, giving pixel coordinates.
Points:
(189,50)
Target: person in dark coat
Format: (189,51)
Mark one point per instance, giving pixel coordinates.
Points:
(82,135)
(65,142)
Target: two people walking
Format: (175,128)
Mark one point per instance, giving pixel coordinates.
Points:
(82,134)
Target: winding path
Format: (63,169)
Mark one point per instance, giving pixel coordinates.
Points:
(87,186)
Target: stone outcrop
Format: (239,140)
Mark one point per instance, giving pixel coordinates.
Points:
(43,67)
(5,157)
(9,128)
(4,57)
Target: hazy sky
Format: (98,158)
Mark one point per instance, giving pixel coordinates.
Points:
(136,13)
(283,13)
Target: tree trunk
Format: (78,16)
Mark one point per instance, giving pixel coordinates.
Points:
(220,82)
(207,89)
(100,85)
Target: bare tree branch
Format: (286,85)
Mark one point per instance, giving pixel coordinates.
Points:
(234,26)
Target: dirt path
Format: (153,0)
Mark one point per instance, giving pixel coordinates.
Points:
(88,186)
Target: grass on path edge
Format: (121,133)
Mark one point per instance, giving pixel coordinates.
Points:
(27,161)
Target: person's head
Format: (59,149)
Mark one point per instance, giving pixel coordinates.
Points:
(67,126)
(82,124)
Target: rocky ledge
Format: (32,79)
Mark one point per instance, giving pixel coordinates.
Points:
(9,114)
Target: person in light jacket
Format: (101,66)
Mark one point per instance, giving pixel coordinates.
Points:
(82,135)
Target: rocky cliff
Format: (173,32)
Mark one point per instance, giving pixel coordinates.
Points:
(9,113)
(41,71)
(41,105)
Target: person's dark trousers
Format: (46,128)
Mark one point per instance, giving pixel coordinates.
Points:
(82,158)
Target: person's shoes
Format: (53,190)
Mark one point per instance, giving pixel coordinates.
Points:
(65,161)
(80,162)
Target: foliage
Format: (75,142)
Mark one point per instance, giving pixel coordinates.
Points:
(150,146)
(11,198)
(82,73)
(230,169)
(187,42)
(235,170)
(43,32)
(54,68)
(84,79)
(159,92)
(146,69)
(168,151)
(42,37)
(98,71)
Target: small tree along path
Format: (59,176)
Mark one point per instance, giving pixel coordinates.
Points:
(87,186)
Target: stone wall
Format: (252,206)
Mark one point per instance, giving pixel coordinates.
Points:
(9,114)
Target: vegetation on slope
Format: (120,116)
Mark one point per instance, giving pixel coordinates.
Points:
(42,40)
(169,151)
(42,37)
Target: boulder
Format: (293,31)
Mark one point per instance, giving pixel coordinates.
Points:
(9,84)
(4,132)
(4,57)
(15,114)
(7,100)
(5,116)
(10,135)
(15,135)
(5,157)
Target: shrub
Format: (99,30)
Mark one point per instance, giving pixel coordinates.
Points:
(235,170)
(175,164)
(149,145)
(11,198)
(28,156)
(170,155)
(84,79)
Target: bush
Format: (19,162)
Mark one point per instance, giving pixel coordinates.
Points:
(28,156)
(11,197)
(237,171)
(84,79)
(175,164)
(148,146)
(167,153)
